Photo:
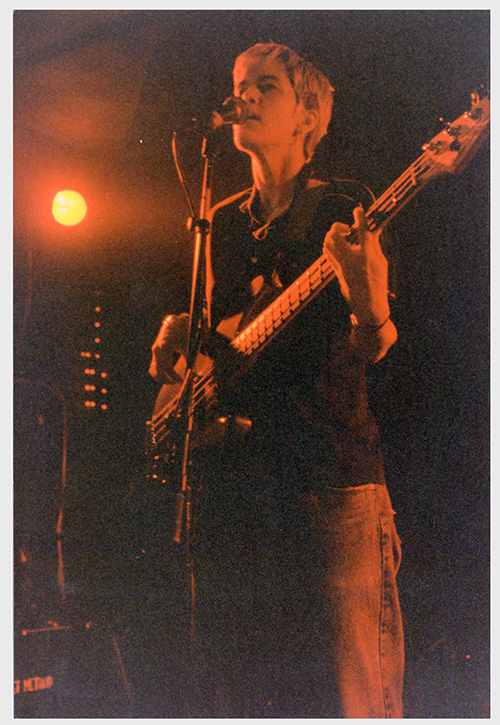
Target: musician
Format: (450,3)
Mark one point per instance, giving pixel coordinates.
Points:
(294,545)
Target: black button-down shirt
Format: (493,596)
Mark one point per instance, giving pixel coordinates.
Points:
(306,393)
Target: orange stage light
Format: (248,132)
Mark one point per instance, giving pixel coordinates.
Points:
(69,207)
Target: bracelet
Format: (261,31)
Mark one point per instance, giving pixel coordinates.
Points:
(374,328)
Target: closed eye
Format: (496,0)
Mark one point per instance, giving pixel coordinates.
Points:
(265,84)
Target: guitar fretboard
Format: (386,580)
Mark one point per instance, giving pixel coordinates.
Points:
(290,302)
(300,293)
(284,307)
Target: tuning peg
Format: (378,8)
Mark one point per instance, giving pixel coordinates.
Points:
(452,130)
(477,96)
(479,93)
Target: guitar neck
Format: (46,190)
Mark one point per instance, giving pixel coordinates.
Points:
(400,192)
(293,300)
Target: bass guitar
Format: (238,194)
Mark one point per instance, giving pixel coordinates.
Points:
(448,152)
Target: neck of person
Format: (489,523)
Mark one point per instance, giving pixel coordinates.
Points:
(274,172)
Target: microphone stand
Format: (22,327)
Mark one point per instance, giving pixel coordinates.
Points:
(201,227)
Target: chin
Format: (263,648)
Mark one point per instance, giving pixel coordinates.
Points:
(243,140)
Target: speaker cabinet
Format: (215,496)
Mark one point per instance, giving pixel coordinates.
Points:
(72,672)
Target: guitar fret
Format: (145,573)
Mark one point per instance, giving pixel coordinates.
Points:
(284,306)
(400,183)
(256,330)
(403,189)
(409,184)
(254,334)
(269,319)
(294,294)
(242,341)
(414,180)
(262,327)
(316,276)
(389,202)
(290,301)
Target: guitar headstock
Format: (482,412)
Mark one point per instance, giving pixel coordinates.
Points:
(451,150)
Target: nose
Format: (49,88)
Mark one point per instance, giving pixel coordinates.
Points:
(251,94)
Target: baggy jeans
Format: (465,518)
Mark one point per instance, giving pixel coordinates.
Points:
(363,553)
(302,618)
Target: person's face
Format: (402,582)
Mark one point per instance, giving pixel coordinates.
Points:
(275,116)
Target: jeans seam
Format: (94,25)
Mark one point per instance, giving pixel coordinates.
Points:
(386,553)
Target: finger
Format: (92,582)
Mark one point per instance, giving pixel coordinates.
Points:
(158,375)
(360,224)
(339,229)
(368,240)
(334,255)
(337,235)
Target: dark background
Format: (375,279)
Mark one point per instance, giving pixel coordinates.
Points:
(97,96)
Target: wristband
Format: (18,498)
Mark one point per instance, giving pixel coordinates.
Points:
(374,328)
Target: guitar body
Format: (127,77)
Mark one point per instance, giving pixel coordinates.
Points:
(225,367)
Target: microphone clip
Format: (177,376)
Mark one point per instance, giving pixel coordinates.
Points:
(234,111)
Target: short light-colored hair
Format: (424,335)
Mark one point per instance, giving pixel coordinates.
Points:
(311,87)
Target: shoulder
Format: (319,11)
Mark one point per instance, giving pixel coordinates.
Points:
(336,199)
(317,206)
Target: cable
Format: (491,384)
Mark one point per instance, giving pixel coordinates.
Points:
(181,178)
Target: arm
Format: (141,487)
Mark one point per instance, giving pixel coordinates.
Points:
(362,271)
(169,345)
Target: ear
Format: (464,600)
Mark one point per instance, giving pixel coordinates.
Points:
(311,119)
(308,122)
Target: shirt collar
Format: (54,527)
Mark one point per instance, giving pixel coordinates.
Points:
(251,206)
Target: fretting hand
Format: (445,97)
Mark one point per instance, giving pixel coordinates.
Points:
(361,268)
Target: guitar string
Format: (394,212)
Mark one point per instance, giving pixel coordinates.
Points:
(160,429)
(393,195)
(409,181)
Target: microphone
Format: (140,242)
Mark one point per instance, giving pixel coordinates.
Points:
(233,110)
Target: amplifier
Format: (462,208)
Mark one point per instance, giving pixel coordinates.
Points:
(70,672)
